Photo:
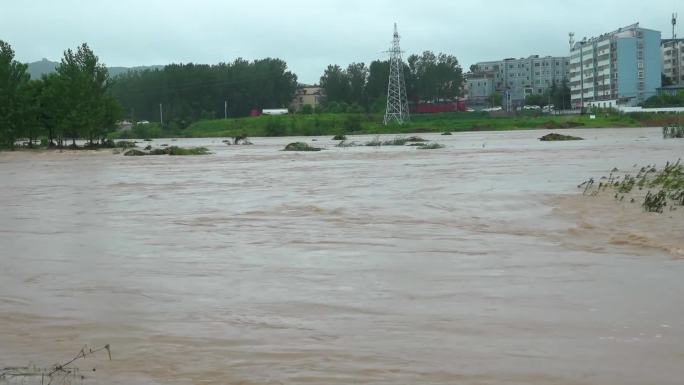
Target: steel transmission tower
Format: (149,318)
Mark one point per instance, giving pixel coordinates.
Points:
(397,104)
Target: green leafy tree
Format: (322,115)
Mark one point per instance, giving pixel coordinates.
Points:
(13,96)
(335,82)
(560,95)
(432,77)
(190,92)
(357,74)
(540,100)
(376,86)
(665,100)
(83,84)
(496,99)
(307,109)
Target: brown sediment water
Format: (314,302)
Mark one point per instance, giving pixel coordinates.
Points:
(479,263)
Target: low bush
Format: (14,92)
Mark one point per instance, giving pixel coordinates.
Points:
(300,146)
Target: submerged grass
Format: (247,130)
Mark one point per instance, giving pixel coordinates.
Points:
(398,141)
(657,189)
(173,151)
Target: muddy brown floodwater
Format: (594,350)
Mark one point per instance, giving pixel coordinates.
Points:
(480,263)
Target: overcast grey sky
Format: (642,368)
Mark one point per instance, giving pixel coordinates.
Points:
(310,34)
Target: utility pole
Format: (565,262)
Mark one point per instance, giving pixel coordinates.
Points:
(161,115)
(225,109)
(582,77)
(397,103)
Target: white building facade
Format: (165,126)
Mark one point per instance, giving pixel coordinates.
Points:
(621,67)
(521,77)
(673,60)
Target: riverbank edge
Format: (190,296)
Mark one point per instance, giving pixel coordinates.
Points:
(362,124)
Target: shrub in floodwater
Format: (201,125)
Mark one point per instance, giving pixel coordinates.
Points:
(173,150)
(558,137)
(134,153)
(665,187)
(375,142)
(446,133)
(240,138)
(300,146)
(179,151)
(430,146)
(340,137)
(673,131)
(655,202)
(415,139)
(396,142)
(158,151)
(345,144)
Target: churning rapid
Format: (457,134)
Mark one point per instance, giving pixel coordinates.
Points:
(480,263)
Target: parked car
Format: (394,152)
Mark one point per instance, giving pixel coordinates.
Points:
(493,109)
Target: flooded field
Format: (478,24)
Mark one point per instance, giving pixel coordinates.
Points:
(479,263)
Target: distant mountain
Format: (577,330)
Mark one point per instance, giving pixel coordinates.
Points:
(40,68)
(45,66)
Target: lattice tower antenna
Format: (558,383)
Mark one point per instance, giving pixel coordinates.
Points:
(674,24)
(397,103)
(571,35)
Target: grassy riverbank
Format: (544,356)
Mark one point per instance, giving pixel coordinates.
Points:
(333,124)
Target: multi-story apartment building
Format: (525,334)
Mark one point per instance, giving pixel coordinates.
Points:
(518,77)
(479,88)
(619,67)
(673,60)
